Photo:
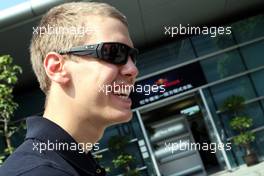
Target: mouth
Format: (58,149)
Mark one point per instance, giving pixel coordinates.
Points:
(122,95)
(121,89)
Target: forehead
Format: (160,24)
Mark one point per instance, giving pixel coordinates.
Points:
(107,29)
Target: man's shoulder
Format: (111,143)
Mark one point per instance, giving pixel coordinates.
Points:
(42,169)
(28,162)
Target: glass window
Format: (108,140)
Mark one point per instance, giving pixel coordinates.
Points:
(241,86)
(255,111)
(220,128)
(258,78)
(262,102)
(260,143)
(253,54)
(136,127)
(204,44)
(222,65)
(249,29)
(109,132)
(165,56)
(238,152)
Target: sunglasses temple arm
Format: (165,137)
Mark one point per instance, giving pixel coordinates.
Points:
(83,50)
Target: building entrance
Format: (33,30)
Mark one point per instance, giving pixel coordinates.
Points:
(176,133)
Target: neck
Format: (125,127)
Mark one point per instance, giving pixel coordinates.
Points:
(83,128)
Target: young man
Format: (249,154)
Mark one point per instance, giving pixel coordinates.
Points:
(78,52)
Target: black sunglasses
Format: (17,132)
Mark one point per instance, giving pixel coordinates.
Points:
(112,52)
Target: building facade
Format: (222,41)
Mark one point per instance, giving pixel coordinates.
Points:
(232,65)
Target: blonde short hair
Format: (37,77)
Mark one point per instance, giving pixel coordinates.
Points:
(65,16)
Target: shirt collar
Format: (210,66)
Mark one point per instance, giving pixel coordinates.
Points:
(44,130)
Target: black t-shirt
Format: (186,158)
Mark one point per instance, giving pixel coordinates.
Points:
(49,150)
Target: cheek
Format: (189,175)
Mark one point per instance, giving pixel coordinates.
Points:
(107,74)
(84,79)
(90,78)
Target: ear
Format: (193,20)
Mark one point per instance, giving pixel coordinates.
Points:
(54,67)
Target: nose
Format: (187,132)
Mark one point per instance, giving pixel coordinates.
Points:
(129,69)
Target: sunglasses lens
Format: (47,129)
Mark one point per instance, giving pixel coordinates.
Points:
(115,53)
(133,54)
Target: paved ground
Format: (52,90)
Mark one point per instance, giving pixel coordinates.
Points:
(256,170)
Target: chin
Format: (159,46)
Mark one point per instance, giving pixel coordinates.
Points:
(121,117)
